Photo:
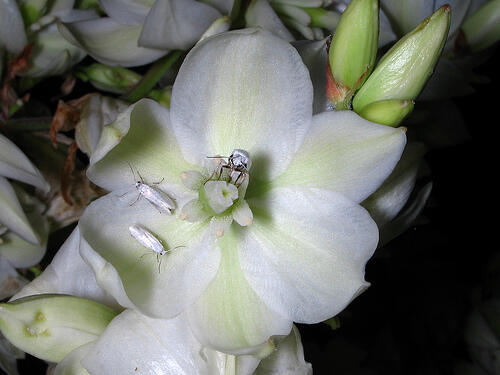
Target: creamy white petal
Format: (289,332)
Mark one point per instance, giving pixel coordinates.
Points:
(346,154)
(288,359)
(127,12)
(105,275)
(139,143)
(12,214)
(12,34)
(68,274)
(459,10)
(300,3)
(223,6)
(405,15)
(160,290)
(257,98)
(10,283)
(52,55)
(176,24)
(406,217)
(306,252)
(14,164)
(136,344)
(261,14)
(61,6)
(315,58)
(71,364)
(390,198)
(385,35)
(229,316)
(21,253)
(9,355)
(96,113)
(109,42)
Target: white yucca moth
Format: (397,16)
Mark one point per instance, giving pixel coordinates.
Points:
(149,241)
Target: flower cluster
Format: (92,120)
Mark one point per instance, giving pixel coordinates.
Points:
(228,193)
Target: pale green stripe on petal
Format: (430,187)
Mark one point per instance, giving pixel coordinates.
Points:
(306,251)
(12,214)
(14,164)
(229,316)
(176,24)
(160,290)
(110,42)
(345,154)
(140,139)
(257,98)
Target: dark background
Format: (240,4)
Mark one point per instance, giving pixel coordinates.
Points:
(425,282)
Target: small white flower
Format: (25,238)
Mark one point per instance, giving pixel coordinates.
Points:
(291,245)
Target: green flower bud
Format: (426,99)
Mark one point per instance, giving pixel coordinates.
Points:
(482,29)
(353,50)
(405,68)
(113,79)
(387,112)
(49,326)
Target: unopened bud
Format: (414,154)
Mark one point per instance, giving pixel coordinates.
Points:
(387,112)
(49,326)
(406,67)
(353,50)
(113,79)
(482,29)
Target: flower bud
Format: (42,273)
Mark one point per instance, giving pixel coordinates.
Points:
(388,112)
(49,326)
(406,67)
(113,79)
(482,29)
(353,50)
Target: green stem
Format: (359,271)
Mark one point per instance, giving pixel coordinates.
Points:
(150,79)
